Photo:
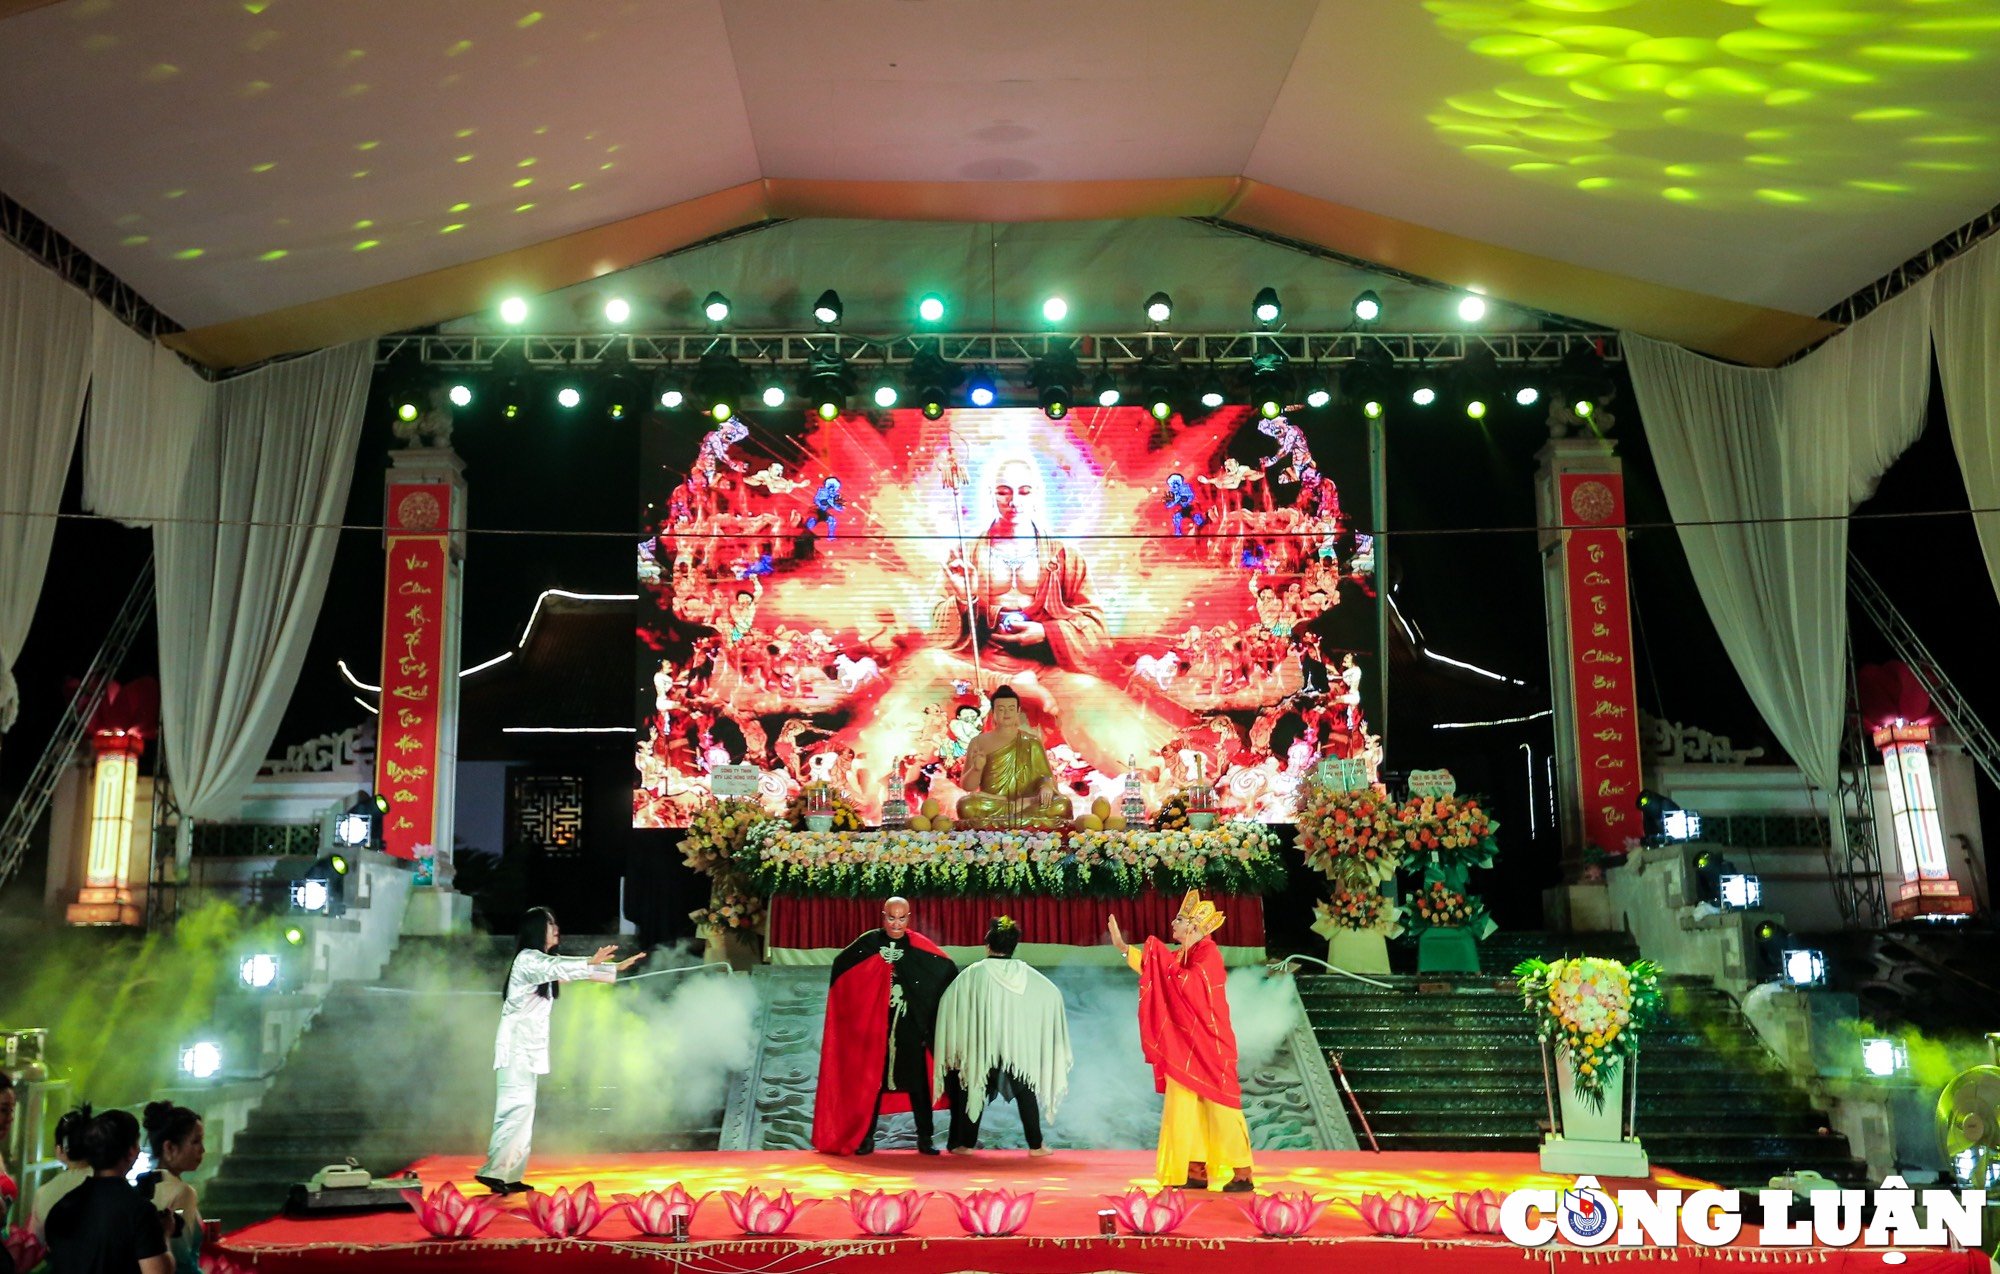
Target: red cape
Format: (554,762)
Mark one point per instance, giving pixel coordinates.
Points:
(1184,1021)
(855,1048)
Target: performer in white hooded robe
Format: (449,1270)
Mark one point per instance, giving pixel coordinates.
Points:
(521,1050)
(1001,1032)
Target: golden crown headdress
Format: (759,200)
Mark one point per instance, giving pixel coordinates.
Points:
(1202,915)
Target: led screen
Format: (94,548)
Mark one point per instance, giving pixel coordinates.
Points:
(839,599)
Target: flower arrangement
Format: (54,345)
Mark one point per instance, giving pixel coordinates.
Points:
(1352,838)
(1235,857)
(1362,910)
(845,817)
(1439,906)
(1454,829)
(737,909)
(715,833)
(1172,816)
(1593,1011)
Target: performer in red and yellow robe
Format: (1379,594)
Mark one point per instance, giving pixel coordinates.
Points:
(1185,1031)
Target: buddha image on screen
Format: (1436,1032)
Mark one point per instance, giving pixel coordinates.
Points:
(844,601)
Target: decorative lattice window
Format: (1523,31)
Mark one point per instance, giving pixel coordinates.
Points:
(545,812)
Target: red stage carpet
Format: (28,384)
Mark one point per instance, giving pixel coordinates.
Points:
(1060,1237)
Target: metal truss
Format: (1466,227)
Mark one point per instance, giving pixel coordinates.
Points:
(989,349)
(1857,881)
(1898,280)
(41,241)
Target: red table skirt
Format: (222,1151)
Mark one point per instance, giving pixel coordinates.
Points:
(807,922)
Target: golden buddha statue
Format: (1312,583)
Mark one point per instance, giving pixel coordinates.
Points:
(1007,777)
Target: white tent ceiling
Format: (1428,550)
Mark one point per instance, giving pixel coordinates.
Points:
(285,171)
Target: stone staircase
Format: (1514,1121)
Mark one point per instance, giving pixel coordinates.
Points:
(401,1069)
(1456,1068)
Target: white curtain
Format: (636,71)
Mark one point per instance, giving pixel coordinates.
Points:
(44,364)
(1965,323)
(244,564)
(1809,441)
(146,409)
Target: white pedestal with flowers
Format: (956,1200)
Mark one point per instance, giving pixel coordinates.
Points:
(1590,1013)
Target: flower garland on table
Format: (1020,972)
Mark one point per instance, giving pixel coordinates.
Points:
(715,833)
(1236,857)
(845,817)
(1349,837)
(1172,816)
(1593,1011)
(1362,910)
(1455,830)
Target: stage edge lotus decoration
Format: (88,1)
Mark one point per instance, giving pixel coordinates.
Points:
(568,1214)
(992,1213)
(1160,1213)
(883,1214)
(1400,1215)
(1477,1210)
(1592,1012)
(653,1212)
(1284,1216)
(447,1214)
(755,1212)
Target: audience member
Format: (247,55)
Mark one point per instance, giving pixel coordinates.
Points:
(174,1134)
(76,1167)
(104,1226)
(9,1189)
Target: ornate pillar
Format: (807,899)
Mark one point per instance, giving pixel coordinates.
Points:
(110,894)
(416,749)
(1580,498)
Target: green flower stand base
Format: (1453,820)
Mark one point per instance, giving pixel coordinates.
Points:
(1447,951)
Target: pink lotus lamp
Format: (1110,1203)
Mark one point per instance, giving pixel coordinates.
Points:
(883,1214)
(755,1212)
(447,1214)
(992,1213)
(568,1214)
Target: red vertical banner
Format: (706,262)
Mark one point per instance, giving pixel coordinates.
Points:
(1602,675)
(413,618)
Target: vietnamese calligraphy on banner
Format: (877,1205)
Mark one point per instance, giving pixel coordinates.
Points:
(1601,663)
(406,750)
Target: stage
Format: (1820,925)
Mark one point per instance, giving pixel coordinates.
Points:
(1060,1236)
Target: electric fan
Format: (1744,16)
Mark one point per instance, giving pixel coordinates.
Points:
(1969,1126)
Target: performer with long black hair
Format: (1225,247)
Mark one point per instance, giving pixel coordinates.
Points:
(521,1050)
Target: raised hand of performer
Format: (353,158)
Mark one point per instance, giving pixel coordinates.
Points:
(604,955)
(629,961)
(1118,939)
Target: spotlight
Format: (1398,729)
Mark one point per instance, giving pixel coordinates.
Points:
(1159,307)
(828,384)
(1160,409)
(1318,394)
(258,971)
(295,935)
(514,311)
(460,395)
(339,864)
(1883,1058)
(1527,396)
(511,379)
(615,410)
(1472,308)
(931,308)
(569,396)
(885,394)
(1265,309)
(1105,389)
(1271,384)
(1366,379)
(407,411)
(1055,309)
(616,311)
(1054,376)
(1584,409)
(827,310)
(721,383)
(1423,395)
(1582,381)
(773,395)
(716,307)
(381,803)
(1803,968)
(669,391)
(202,1060)
(1679,824)
(933,408)
(310,895)
(722,412)
(354,828)
(1161,379)
(1367,307)
(1211,392)
(1741,892)
(931,381)
(979,390)
(1055,402)
(1475,408)
(1372,409)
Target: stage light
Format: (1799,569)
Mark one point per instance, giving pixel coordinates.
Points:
(258,971)
(1055,402)
(1372,409)
(716,307)
(1367,307)
(310,895)
(616,311)
(295,935)
(1160,409)
(1159,307)
(980,391)
(1318,393)
(339,864)
(202,1060)
(931,381)
(1423,395)
(1527,396)
(1055,309)
(1883,1058)
(828,411)
(1741,892)
(1475,409)
(1105,389)
(1802,967)
(569,396)
(514,311)
(354,827)
(931,308)
(885,395)
(407,411)
(722,412)
(1265,309)
(1270,408)
(616,410)
(773,395)
(1472,308)
(933,408)
(1680,824)
(1582,381)
(1584,409)
(669,391)
(460,395)
(1211,392)
(827,310)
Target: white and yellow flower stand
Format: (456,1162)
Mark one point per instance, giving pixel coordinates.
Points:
(1591,1140)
